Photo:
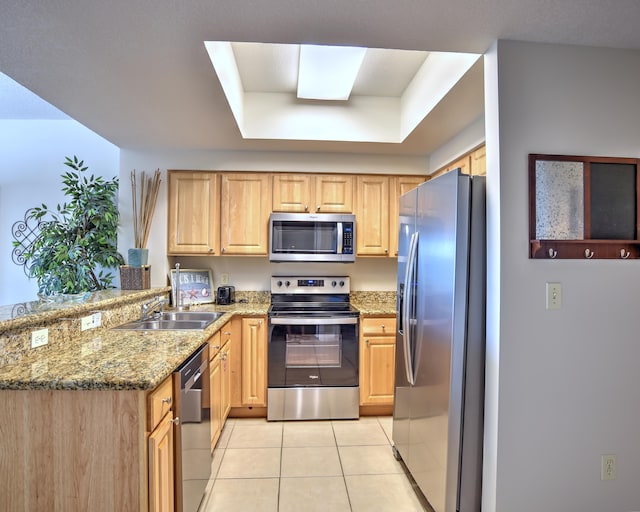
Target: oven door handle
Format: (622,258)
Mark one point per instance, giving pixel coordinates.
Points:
(295,320)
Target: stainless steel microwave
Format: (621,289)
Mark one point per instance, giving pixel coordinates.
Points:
(312,237)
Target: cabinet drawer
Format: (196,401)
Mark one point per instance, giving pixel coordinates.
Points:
(378,326)
(159,402)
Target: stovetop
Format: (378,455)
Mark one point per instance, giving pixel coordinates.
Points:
(311,296)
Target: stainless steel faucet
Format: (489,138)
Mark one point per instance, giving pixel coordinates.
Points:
(152,308)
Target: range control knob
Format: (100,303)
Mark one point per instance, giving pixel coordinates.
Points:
(341,283)
(287,283)
(333,283)
(279,283)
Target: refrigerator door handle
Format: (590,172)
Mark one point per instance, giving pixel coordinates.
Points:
(407,303)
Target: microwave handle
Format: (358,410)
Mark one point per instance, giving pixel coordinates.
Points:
(339,228)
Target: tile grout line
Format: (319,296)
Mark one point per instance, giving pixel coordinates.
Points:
(344,478)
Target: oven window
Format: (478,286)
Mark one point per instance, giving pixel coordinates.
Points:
(313,350)
(304,237)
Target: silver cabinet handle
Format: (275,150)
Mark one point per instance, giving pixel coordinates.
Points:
(175,421)
(167,400)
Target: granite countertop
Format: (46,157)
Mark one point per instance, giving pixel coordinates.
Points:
(109,359)
(104,358)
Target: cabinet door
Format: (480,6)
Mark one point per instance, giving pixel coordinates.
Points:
(232,334)
(479,162)
(245,208)
(215,391)
(254,361)
(193,213)
(334,194)
(292,193)
(372,215)
(161,467)
(225,388)
(464,164)
(377,361)
(399,185)
(377,386)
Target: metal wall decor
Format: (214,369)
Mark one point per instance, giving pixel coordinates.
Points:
(25,232)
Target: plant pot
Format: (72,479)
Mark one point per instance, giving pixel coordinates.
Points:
(138,257)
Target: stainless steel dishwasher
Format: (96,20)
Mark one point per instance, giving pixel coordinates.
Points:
(193,432)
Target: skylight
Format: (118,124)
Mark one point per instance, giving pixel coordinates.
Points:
(328,72)
(388,92)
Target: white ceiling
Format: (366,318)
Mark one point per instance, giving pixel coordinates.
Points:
(137,72)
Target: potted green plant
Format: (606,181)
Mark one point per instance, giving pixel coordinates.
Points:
(76,248)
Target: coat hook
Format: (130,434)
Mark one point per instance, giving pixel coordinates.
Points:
(552,253)
(624,254)
(588,253)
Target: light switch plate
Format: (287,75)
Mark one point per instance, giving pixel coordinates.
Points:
(554,296)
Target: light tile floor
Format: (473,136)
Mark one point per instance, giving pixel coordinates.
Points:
(337,466)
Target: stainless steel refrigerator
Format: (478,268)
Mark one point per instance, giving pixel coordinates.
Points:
(440,340)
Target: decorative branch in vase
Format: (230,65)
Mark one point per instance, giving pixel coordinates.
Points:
(143,207)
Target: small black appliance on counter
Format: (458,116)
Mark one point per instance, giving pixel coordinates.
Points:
(226,295)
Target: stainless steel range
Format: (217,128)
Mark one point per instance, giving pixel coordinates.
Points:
(313,349)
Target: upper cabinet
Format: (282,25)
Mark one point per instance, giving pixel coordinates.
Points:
(306,193)
(193,213)
(584,207)
(478,161)
(372,215)
(474,163)
(399,185)
(211,213)
(244,213)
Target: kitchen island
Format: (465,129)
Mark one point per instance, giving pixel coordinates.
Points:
(78,412)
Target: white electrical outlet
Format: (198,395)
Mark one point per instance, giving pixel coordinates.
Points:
(86,322)
(224,278)
(39,338)
(608,467)
(97,319)
(554,295)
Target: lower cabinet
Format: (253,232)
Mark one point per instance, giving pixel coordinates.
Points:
(161,448)
(225,381)
(161,466)
(215,391)
(254,361)
(377,360)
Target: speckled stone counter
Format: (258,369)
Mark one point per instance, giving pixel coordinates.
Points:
(374,303)
(101,358)
(104,358)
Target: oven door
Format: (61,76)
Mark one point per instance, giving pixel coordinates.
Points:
(313,351)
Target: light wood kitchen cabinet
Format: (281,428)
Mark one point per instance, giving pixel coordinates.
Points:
(377,360)
(231,335)
(225,378)
(479,161)
(372,215)
(399,185)
(161,466)
(161,448)
(215,390)
(306,193)
(244,213)
(193,223)
(254,361)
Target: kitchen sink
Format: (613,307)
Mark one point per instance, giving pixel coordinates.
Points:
(173,321)
(200,316)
